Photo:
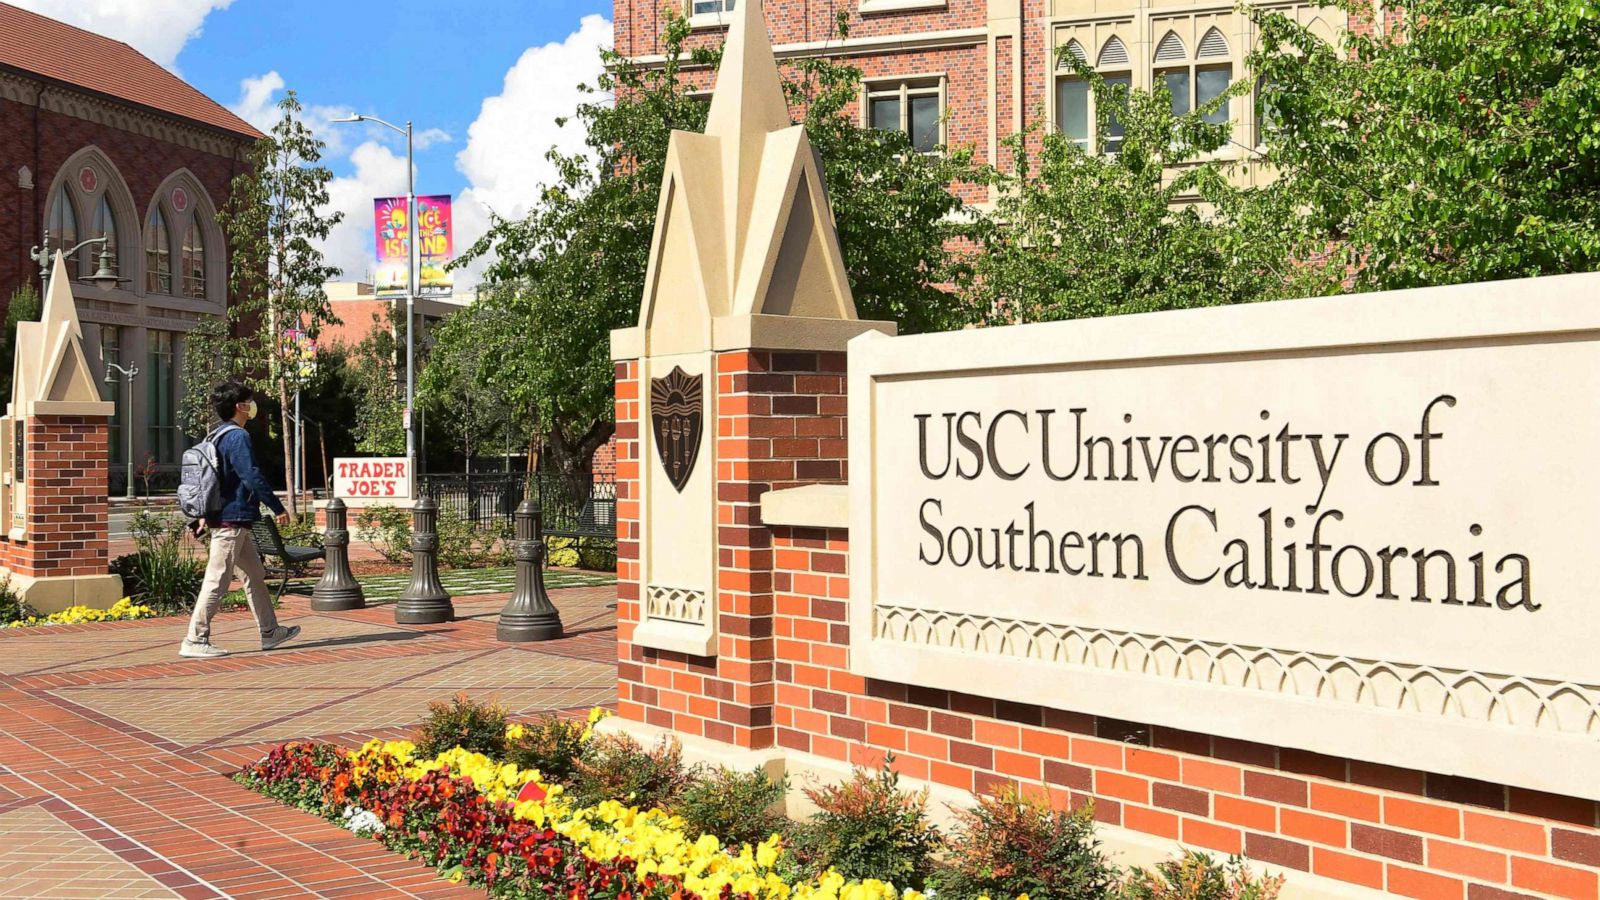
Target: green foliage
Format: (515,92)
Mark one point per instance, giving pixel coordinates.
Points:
(1012,844)
(301,531)
(388,530)
(868,828)
(209,355)
(617,767)
(550,744)
(275,221)
(374,370)
(162,573)
(735,806)
(24,305)
(465,723)
(1156,225)
(12,609)
(1197,876)
(1464,145)
(479,412)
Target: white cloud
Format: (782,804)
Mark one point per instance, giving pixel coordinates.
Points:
(430,136)
(504,156)
(157,28)
(258,105)
(258,100)
(379,172)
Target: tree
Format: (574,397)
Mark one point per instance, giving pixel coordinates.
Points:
(1155,225)
(1463,145)
(208,349)
(573,269)
(274,221)
(372,369)
(24,306)
(467,399)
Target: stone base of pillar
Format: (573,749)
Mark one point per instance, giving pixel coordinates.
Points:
(52,593)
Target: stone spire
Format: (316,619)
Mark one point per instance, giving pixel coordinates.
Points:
(50,365)
(746,106)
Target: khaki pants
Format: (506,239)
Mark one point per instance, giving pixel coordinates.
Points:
(231,548)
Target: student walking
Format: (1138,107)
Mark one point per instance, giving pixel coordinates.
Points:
(243,491)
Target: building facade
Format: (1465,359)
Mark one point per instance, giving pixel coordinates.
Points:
(973,72)
(96,140)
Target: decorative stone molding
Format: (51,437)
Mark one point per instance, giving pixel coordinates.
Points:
(677,605)
(168,128)
(1505,700)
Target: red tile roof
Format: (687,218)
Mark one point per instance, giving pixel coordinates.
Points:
(42,46)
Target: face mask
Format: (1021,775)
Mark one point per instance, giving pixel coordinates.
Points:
(250,409)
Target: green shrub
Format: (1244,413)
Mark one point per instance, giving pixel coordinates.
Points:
(563,551)
(163,573)
(617,767)
(735,806)
(868,828)
(12,609)
(459,544)
(1011,844)
(388,530)
(302,532)
(465,723)
(549,744)
(1198,876)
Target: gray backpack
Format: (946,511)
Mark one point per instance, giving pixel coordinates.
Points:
(200,476)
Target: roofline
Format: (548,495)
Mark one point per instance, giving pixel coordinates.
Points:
(246,136)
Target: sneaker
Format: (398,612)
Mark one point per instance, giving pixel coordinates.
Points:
(282,635)
(200,650)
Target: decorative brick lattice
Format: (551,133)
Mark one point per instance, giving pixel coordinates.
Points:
(1424,690)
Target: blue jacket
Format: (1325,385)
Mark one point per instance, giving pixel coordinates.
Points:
(243,487)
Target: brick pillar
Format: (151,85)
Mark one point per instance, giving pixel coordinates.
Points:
(58,557)
(781,424)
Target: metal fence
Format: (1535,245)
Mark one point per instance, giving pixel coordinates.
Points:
(488,499)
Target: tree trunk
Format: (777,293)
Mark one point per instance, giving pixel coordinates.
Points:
(288,449)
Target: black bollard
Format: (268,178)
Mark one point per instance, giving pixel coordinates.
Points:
(338,589)
(425,601)
(529,615)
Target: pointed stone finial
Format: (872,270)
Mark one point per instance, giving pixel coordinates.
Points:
(749,93)
(747,105)
(50,369)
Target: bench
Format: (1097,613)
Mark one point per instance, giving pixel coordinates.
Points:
(278,558)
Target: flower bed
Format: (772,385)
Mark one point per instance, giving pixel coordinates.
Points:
(121,611)
(495,824)
(600,816)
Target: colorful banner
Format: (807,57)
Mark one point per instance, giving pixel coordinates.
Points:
(433,246)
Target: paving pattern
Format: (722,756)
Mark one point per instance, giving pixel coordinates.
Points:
(115,753)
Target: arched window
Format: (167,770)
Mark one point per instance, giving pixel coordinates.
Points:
(105,225)
(193,265)
(157,253)
(62,222)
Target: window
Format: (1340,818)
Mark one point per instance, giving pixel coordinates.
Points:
(1113,55)
(62,222)
(711,7)
(162,399)
(912,108)
(1266,110)
(1195,83)
(105,225)
(1072,110)
(114,390)
(157,254)
(193,265)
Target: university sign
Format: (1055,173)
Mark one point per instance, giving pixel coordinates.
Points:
(1309,523)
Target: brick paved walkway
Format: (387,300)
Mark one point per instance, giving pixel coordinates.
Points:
(115,754)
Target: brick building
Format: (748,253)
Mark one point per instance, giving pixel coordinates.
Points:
(972,72)
(96,139)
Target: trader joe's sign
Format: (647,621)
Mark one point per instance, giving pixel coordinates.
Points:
(372,477)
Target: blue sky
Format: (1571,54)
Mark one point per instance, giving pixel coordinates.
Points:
(482,80)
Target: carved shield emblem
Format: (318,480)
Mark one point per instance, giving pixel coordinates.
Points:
(676,414)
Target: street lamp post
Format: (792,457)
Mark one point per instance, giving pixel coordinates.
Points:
(411,288)
(103,275)
(128,374)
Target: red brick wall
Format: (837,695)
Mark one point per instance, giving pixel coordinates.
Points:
(66,507)
(782,679)
(781,425)
(143,162)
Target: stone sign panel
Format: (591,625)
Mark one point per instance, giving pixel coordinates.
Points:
(1362,526)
